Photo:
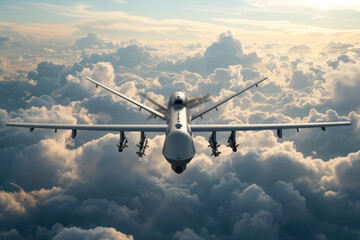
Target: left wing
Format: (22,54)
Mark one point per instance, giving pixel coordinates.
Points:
(254,127)
(95,127)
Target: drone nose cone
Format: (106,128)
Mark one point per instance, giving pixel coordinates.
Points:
(178,98)
(178,168)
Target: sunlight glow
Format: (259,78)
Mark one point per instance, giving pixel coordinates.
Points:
(331,4)
(322,4)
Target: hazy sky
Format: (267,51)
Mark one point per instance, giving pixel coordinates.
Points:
(303,186)
(180,20)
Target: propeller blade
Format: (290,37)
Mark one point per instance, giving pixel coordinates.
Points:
(196,101)
(160,106)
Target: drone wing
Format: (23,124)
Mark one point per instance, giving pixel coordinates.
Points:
(95,127)
(256,127)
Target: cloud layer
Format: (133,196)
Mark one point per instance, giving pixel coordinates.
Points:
(304,186)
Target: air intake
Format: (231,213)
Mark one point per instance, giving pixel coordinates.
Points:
(178,101)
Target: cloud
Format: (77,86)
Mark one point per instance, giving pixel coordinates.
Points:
(224,52)
(95,233)
(86,17)
(343,83)
(48,76)
(14,94)
(335,63)
(11,235)
(347,169)
(49,50)
(300,49)
(93,41)
(260,225)
(41,29)
(188,234)
(5,42)
(338,47)
(301,80)
(131,56)
(302,186)
(306,4)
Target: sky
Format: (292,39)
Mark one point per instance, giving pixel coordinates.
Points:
(180,20)
(303,186)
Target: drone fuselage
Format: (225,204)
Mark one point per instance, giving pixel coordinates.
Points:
(179,146)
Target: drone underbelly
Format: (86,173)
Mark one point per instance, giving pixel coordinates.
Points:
(178,146)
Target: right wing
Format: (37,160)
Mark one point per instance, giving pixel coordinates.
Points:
(95,127)
(199,114)
(271,126)
(156,113)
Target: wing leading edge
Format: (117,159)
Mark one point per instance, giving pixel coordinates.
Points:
(95,127)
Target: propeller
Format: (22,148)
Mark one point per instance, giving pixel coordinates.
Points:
(196,101)
(192,102)
(160,107)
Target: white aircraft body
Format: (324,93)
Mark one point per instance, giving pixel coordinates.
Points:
(179,146)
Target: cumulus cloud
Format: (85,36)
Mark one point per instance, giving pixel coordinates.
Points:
(5,42)
(93,41)
(224,52)
(188,234)
(343,58)
(343,84)
(131,56)
(11,234)
(347,169)
(301,80)
(338,47)
(89,234)
(300,49)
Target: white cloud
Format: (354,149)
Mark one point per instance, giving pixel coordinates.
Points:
(91,234)
(321,4)
(278,186)
(42,29)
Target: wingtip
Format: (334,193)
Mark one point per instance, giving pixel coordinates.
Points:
(11,124)
(346,123)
